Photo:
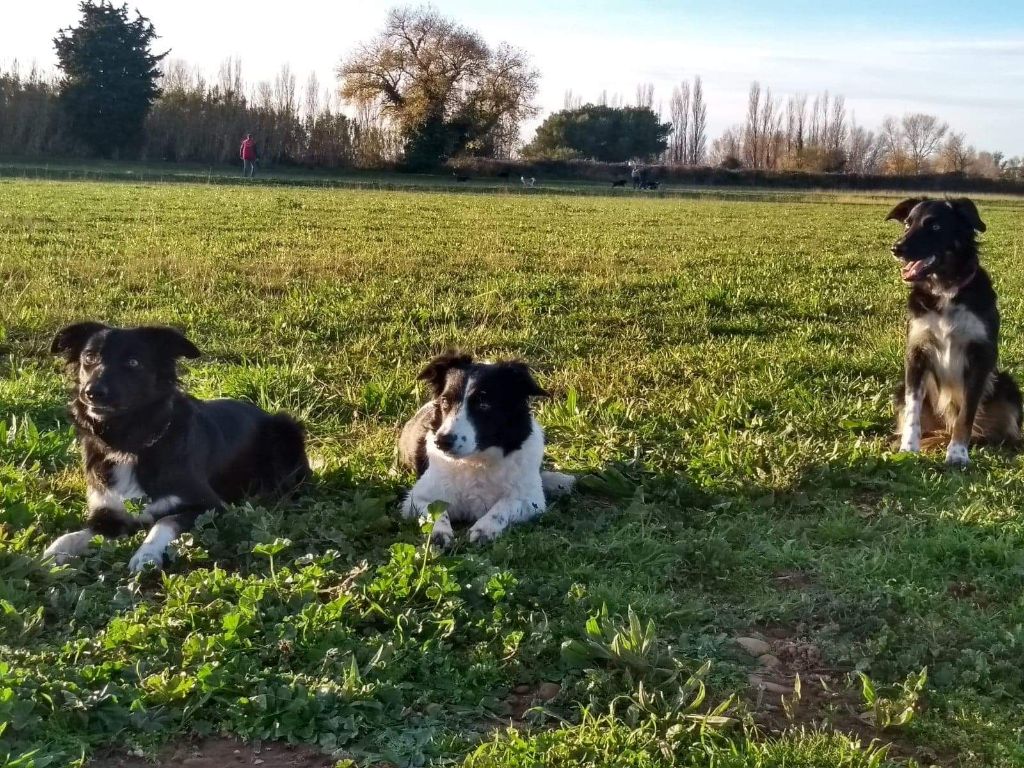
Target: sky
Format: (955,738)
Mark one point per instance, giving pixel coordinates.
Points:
(963,61)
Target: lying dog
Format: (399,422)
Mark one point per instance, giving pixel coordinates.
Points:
(143,437)
(951,383)
(478,448)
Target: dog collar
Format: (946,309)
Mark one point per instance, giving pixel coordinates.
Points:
(967,281)
(160,434)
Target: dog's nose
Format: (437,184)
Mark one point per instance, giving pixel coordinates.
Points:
(445,441)
(96,393)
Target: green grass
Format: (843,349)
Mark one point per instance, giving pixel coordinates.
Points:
(721,369)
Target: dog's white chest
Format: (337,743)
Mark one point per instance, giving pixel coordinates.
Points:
(944,337)
(472,486)
(123,485)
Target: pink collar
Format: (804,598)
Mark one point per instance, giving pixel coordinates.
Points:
(967,281)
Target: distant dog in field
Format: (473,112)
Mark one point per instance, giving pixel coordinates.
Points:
(951,383)
(477,447)
(460,177)
(619,183)
(143,437)
(504,175)
(528,182)
(650,185)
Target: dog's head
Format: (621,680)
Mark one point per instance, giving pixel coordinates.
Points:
(938,242)
(120,370)
(480,407)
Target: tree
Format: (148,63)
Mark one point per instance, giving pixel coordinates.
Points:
(726,150)
(679,110)
(923,136)
(894,147)
(601,133)
(442,87)
(696,151)
(110,76)
(956,156)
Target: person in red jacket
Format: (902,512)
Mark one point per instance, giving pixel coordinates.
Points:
(248,154)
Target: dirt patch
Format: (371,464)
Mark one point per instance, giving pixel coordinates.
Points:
(220,753)
(791,580)
(524,697)
(826,695)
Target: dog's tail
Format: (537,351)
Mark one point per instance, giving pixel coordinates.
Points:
(283,454)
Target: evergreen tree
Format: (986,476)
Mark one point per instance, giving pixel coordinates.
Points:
(110,76)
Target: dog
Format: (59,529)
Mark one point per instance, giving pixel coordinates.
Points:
(650,185)
(142,437)
(528,182)
(951,382)
(460,177)
(477,447)
(619,183)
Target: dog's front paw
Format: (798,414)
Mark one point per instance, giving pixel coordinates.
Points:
(484,531)
(910,445)
(408,509)
(956,455)
(146,557)
(68,547)
(442,538)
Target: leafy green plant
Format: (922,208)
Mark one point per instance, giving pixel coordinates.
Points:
(892,712)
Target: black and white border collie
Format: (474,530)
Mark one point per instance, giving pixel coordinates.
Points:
(142,437)
(477,447)
(951,383)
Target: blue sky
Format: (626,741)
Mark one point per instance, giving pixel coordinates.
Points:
(963,61)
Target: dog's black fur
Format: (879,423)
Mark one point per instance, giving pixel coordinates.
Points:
(619,183)
(953,329)
(132,418)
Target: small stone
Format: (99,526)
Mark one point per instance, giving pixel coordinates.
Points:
(258,761)
(753,646)
(548,691)
(756,681)
(767,661)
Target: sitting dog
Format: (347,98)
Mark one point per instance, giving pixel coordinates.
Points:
(143,437)
(951,383)
(477,448)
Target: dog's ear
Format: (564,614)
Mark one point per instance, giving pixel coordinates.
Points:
(170,342)
(70,340)
(901,211)
(523,381)
(436,372)
(968,211)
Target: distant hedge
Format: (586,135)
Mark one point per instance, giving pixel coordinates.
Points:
(722,177)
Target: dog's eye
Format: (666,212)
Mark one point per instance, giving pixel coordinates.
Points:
(483,405)
(936,227)
(445,404)
(131,362)
(90,358)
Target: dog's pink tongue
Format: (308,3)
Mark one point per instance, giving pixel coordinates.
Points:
(909,271)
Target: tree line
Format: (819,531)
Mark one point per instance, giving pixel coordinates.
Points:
(424,91)
(822,136)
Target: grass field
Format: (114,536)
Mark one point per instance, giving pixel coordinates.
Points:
(720,372)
